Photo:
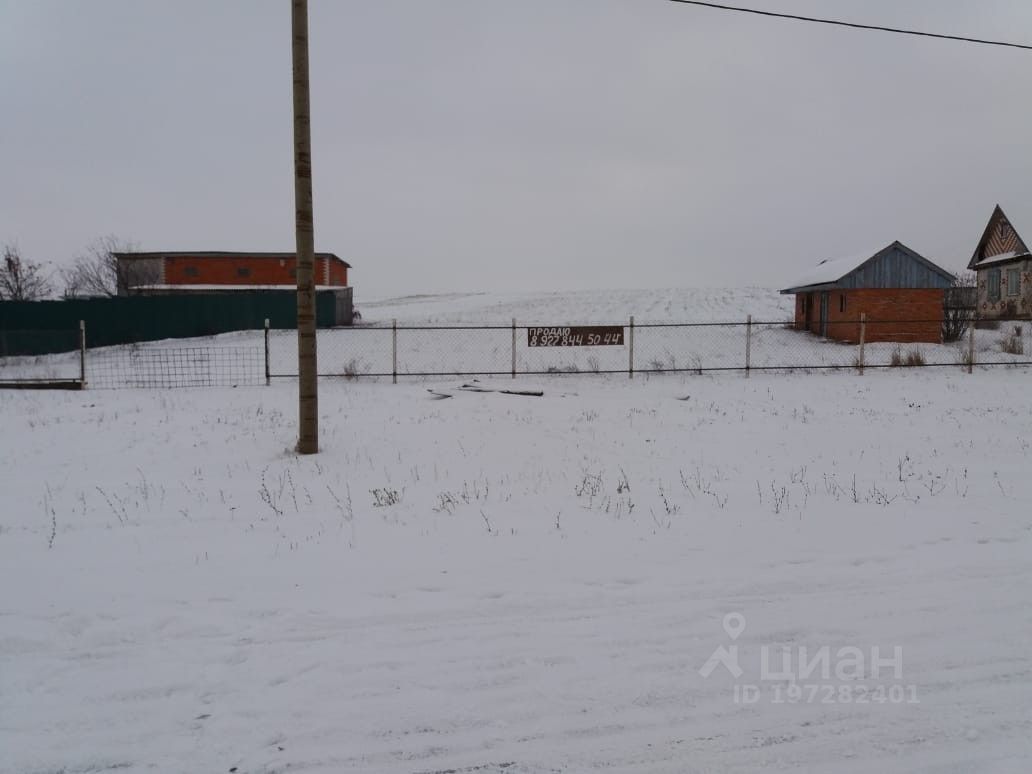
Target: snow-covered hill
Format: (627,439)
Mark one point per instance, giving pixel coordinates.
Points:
(654,305)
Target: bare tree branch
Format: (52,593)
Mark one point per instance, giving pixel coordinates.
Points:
(21,280)
(959,306)
(97,272)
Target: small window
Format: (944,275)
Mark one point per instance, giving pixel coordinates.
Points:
(1013,282)
(190,271)
(243,271)
(993,285)
(842,303)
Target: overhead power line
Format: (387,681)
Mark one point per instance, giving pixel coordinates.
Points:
(854,25)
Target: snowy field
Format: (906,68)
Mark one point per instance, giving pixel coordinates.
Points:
(655,305)
(497,584)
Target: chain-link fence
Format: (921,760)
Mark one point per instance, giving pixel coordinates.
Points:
(660,347)
(400,351)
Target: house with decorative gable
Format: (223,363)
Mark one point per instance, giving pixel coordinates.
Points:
(1003,265)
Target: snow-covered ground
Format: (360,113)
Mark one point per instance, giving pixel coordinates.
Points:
(495,583)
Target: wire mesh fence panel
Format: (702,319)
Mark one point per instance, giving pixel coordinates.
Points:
(60,363)
(454,350)
(912,343)
(692,347)
(884,354)
(347,352)
(168,367)
(777,345)
(358,351)
(1003,342)
(282,351)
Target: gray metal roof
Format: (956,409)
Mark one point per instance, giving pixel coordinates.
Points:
(894,266)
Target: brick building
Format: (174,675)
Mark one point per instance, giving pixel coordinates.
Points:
(900,291)
(1003,265)
(172,272)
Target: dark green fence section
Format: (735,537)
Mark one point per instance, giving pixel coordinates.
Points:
(18,342)
(43,327)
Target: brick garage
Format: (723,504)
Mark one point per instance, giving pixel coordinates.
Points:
(883,307)
(169,271)
(901,293)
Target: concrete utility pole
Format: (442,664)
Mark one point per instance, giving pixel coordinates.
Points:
(308,389)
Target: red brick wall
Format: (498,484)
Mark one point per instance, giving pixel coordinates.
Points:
(338,273)
(244,270)
(893,314)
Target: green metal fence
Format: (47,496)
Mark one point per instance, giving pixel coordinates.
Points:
(42,327)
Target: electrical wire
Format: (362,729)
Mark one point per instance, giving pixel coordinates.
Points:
(854,25)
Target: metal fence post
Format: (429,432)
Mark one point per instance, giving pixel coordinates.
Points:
(748,344)
(863,336)
(82,354)
(268,373)
(971,346)
(630,341)
(394,351)
(513,347)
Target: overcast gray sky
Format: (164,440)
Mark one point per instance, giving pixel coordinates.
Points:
(527,144)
